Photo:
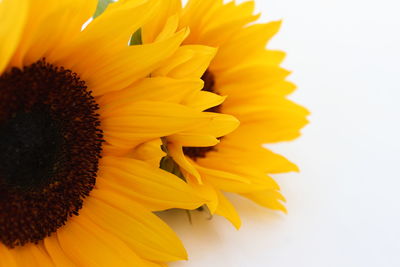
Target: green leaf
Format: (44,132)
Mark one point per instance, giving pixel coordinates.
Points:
(136,38)
(101,6)
(168,164)
(164,146)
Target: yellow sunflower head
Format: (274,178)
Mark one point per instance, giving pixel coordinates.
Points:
(72,103)
(254,89)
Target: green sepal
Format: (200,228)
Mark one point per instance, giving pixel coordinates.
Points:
(168,164)
(136,38)
(101,6)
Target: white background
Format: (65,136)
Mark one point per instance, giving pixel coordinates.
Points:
(344,205)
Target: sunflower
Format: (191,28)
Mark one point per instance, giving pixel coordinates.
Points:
(256,90)
(72,102)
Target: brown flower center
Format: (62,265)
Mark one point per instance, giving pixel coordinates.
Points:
(50,146)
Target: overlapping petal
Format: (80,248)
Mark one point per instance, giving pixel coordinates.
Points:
(245,80)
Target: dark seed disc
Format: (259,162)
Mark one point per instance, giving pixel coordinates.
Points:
(50,146)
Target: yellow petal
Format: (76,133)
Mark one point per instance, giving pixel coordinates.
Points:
(190,61)
(143,231)
(224,174)
(32,255)
(221,177)
(207,191)
(254,91)
(225,22)
(170,27)
(123,67)
(270,57)
(7,258)
(52,28)
(250,40)
(212,22)
(252,155)
(166,9)
(150,152)
(87,244)
(270,199)
(204,100)
(219,125)
(56,252)
(24,257)
(176,152)
(255,75)
(40,254)
(139,122)
(113,29)
(227,210)
(179,58)
(224,182)
(277,130)
(196,14)
(271,104)
(271,121)
(193,140)
(13,14)
(152,89)
(155,188)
